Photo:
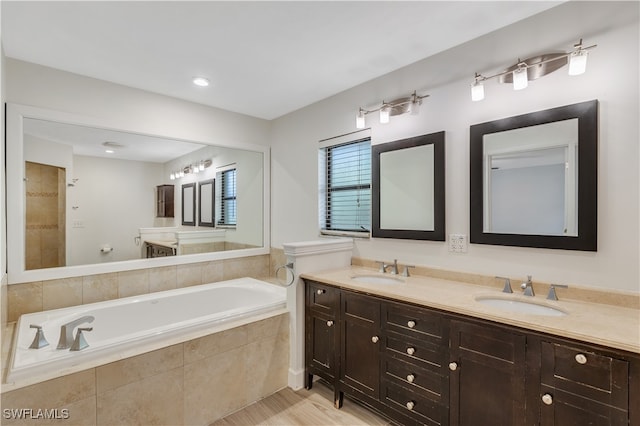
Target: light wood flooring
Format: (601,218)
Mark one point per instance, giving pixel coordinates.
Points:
(302,408)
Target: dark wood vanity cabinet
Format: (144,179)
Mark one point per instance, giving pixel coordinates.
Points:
(421,366)
(164,201)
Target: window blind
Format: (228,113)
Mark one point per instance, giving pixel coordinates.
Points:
(226,205)
(346,187)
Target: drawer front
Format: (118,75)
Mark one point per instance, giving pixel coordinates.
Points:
(564,408)
(360,306)
(323,298)
(420,352)
(427,383)
(413,321)
(586,373)
(413,404)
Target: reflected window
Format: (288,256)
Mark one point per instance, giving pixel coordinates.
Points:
(226,214)
(345,187)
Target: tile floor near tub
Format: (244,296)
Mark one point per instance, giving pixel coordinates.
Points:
(191,383)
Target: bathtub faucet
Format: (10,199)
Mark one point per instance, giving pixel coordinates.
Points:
(66,331)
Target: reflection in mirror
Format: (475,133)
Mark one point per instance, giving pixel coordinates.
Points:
(97,196)
(206,197)
(534,179)
(408,188)
(189,204)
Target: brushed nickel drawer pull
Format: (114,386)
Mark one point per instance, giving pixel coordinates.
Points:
(453,366)
(411,324)
(547,399)
(375,339)
(581,359)
(411,351)
(410,378)
(410,405)
(320,291)
(329,323)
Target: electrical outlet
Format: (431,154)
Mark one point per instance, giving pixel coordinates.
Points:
(78,224)
(458,243)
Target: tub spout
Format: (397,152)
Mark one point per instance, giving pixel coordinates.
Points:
(66,331)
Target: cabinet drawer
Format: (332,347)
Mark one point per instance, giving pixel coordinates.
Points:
(323,298)
(413,321)
(586,373)
(413,404)
(428,383)
(360,306)
(423,353)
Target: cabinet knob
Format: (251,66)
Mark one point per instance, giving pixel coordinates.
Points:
(410,378)
(411,351)
(329,323)
(411,324)
(453,366)
(375,339)
(319,291)
(547,399)
(581,359)
(410,405)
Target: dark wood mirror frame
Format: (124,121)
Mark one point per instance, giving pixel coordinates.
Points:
(587,115)
(189,221)
(210,187)
(438,233)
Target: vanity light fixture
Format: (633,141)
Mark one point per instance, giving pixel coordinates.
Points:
(200,81)
(532,68)
(410,104)
(193,168)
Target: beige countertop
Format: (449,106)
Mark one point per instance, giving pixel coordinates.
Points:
(165,243)
(603,324)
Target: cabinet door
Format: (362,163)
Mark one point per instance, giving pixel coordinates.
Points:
(487,379)
(321,346)
(360,362)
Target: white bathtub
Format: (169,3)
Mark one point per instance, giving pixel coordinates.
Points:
(139,321)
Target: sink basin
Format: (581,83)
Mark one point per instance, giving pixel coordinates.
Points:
(376,279)
(522,306)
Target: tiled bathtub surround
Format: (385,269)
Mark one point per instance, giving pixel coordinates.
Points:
(61,293)
(191,383)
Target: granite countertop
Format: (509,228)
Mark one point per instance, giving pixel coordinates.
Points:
(599,323)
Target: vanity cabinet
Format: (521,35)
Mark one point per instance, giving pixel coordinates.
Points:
(164,201)
(417,365)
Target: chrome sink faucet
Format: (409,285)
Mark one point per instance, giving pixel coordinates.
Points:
(384,266)
(528,287)
(66,331)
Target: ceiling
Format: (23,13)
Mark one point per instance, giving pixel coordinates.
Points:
(264,59)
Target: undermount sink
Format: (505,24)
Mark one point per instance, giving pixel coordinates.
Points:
(522,306)
(376,279)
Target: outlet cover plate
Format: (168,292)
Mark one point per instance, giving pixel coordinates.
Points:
(458,243)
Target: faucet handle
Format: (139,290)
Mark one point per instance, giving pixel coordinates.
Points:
(382,264)
(80,343)
(405,271)
(552,291)
(39,340)
(507,285)
(394,269)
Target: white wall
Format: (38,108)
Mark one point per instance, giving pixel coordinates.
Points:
(612,78)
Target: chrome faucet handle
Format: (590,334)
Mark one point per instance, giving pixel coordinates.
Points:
(80,343)
(552,291)
(383,266)
(405,271)
(394,269)
(39,340)
(507,285)
(528,287)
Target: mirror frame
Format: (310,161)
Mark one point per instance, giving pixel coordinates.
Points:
(16,271)
(438,232)
(191,221)
(587,115)
(202,187)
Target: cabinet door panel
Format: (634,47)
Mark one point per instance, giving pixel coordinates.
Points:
(323,343)
(566,409)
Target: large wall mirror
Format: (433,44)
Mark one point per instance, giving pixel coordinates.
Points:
(534,179)
(408,188)
(83,197)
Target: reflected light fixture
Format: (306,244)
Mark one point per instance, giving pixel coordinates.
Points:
(410,104)
(200,81)
(193,168)
(533,68)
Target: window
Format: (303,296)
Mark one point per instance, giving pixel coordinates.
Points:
(226,211)
(345,187)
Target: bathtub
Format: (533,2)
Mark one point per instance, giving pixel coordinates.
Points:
(148,321)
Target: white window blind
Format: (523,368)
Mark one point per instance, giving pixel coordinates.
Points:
(226,205)
(345,187)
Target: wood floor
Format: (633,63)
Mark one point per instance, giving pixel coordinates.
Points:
(302,408)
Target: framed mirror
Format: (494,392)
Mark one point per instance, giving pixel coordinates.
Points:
(534,179)
(189,204)
(407,178)
(206,197)
(110,198)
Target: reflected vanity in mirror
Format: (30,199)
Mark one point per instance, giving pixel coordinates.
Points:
(534,179)
(408,188)
(102,195)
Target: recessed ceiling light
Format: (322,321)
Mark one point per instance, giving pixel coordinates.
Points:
(200,81)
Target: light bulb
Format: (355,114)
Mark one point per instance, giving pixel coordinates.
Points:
(520,79)
(385,112)
(414,107)
(578,62)
(201,165)
(360,119)
(477,91)
(172,176)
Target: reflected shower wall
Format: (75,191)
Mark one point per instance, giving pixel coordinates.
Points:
(45,216)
